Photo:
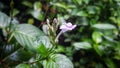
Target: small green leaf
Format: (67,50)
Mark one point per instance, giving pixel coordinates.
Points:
(38,15)
(42,50)
(27,3)
(15,12)
(82,45)
(86,1)
(97,37)
(104,26)
(61,5)
(22,66)
(78,2)
(37,6)
(97,49)
(79,13)
(109,63)
(60,49)
(92,9)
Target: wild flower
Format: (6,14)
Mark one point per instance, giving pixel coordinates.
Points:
(67,26)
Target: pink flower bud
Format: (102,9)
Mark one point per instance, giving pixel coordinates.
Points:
(55,21)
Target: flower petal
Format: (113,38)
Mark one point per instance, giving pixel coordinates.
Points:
(67,26)
(63,27)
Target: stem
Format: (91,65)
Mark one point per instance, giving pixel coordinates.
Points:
(10,38)
(46,11)
(31,62)
(45,14)
(34,61)
(11,11)
(56,39)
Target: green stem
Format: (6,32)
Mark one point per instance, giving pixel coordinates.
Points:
(11,12)
(56,39)
(10,38)
(12,7)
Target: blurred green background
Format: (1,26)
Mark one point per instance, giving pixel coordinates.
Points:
(94,43)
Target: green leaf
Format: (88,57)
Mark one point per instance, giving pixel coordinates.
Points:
(37,6)
(22,66)
(62,61)
(49,64)
(29,36)
(97,37)
(92,9)
(58,61)
(82,45)
(79,13)
(60,49)
(61,5)
(86,1)
(42,50)
(36,65)
(42,40)
(78,2)
(27,3)
(4,20)
(43,46)
(13,25)
(109,63)
(15,12)
(38,15)
(20,55)
(7,50)
(32,38)
(97,49)
(104,26)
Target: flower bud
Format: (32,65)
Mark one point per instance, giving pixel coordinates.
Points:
(55,21)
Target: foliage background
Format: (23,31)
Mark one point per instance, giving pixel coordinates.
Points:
(94,43)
